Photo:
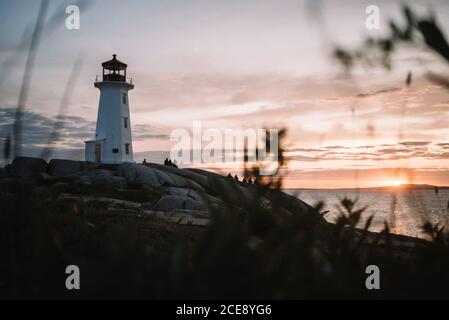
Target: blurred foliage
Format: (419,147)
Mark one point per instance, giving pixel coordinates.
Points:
(415,32)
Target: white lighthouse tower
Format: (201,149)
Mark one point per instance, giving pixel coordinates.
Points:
(113,139)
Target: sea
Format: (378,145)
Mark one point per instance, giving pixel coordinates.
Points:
(405,211)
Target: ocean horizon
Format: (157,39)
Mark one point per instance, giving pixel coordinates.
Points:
(405,210)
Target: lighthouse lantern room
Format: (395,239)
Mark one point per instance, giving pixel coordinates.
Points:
(113,139)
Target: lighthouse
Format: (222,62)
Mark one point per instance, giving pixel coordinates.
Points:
(113,140)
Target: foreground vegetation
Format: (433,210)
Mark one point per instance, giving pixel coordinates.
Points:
(259,252)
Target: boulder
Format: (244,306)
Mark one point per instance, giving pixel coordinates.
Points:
(183,192)
(296,206)
(138,175)
(46,178)
(195,195)
(60,167)
(118,182)
(104,202)
(26,167)
(169,179)
(100,177)
(225,188)
(83,179)
(150,177)
(192,213)
(187,174)
(207,174)
(186,217)
(3,173)
(169,203)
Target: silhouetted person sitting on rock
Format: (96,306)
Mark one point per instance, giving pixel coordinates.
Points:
(144,162)
(166,162)
(229,176)
(170,163)
(236,178)
(244,180)
(250,181)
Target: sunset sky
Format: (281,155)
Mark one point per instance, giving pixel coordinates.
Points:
(238,64)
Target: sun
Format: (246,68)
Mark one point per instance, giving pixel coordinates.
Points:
(396,183)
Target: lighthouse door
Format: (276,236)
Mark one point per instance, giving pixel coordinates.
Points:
(97,153)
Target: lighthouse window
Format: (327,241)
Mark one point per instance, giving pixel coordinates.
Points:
(125,123)
(127,148)
(125,98)
(114,150)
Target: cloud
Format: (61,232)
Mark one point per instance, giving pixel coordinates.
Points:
(378,92)
(415,143)
(143,132)
(37,129)
(336,147)
(444,145)
(381,152)
(305,150)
